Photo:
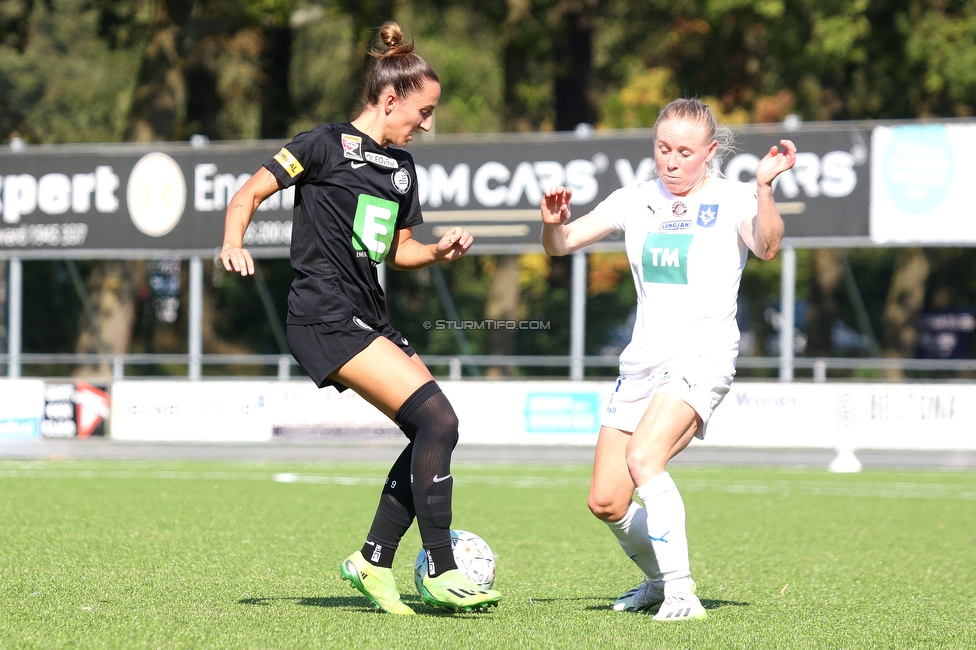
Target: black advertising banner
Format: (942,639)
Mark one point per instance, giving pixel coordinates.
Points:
(65,201)
(494,188)
(161,199)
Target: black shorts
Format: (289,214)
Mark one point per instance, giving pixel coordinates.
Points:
(323,348)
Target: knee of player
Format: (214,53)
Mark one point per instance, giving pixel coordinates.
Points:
(439,404)
(447,425)
(451,421)
(428,412)
(607,508)
(447,420)
(642,463)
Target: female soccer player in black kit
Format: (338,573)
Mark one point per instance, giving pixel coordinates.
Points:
(355,205)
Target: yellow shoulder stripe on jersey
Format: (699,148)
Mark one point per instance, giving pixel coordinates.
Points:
(289,162)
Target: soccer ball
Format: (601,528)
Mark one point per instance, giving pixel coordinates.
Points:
(473,556)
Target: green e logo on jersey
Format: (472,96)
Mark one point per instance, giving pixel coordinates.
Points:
(372,231)
(665,258)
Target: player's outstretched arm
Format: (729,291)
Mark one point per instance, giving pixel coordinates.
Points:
(560,237)
(766,234)
(408,254)
(242,207)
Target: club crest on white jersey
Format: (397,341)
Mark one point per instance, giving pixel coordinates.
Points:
(707,215)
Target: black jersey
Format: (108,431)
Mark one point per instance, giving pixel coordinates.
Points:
(351,195)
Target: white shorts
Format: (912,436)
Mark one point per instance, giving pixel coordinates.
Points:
(699,382)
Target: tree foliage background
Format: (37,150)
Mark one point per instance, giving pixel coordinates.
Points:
(116,70)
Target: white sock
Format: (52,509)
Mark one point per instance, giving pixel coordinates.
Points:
(666,531)
(631,532)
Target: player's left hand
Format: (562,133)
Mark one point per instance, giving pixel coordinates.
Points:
(237,259)
(455,243)
(776,162)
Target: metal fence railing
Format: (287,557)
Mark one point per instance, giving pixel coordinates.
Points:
(462,366)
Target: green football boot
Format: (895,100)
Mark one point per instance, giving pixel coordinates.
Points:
(452,589)
(376,583)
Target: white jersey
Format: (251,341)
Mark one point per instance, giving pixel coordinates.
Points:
(687,258)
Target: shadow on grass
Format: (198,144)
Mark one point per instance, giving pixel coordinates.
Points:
(353,602)
(711,603)
(707,603)
(360,603)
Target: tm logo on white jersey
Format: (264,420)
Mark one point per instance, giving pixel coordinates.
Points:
(665,258)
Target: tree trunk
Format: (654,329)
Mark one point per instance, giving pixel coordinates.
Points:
(906,299)
(502,305)
(367,16)
(114,289)
(156,104)
(160,90)
(517,53)
(822,306)
(573,49)
(277,109)
(203,100)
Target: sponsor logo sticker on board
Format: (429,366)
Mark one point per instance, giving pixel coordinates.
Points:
(156,194)
(562,413)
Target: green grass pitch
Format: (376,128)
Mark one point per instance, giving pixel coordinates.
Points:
(112,554)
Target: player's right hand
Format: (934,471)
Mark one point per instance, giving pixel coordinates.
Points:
(555,205)
(238,260)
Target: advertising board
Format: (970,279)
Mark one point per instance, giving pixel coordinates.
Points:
(936,416)
(161,199)
(920,192)
(21,408)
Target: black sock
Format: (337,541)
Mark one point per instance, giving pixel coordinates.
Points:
(394,514)
(378,555)
(430,418)
(439,560)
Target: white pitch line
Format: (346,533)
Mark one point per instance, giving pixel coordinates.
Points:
(326,480)
(893,490)
(132,474)
(881,490)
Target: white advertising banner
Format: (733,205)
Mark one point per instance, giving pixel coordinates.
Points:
(528,412)
(912,416)
(775,415)
(21,408)
(533,412)
(847,416)
(302,408)
(921,184)
(171,411)
(753,414)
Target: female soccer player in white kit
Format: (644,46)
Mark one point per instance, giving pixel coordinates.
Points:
(687,234)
